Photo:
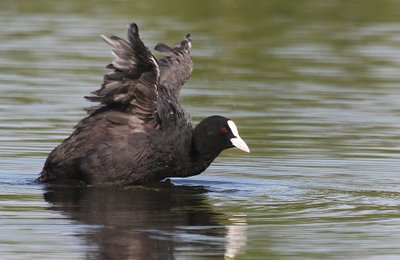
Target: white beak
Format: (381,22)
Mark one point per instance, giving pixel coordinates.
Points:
(240,144)
(237,141)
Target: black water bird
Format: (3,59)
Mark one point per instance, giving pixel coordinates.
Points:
(139,132)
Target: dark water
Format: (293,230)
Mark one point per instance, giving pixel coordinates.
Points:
(312,85)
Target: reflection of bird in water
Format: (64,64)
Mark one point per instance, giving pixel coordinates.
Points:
(236,237)
(143,222)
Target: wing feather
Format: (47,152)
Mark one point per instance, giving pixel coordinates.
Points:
(176,66)
(132,84)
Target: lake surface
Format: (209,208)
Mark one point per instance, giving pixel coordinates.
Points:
(314,87)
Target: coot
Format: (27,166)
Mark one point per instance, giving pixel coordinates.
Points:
(139,132)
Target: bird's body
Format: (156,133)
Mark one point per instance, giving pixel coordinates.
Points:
(140,133)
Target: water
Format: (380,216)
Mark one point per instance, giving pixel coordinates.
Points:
(312,86)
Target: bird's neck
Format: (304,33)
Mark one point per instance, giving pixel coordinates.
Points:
(201,158)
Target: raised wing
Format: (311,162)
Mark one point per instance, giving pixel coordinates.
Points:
(132,83)
(176,66)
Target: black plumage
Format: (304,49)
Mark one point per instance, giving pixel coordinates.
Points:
(139,132)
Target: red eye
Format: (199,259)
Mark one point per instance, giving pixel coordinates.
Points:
(224,130)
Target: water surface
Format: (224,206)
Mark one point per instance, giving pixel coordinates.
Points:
(312,85)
